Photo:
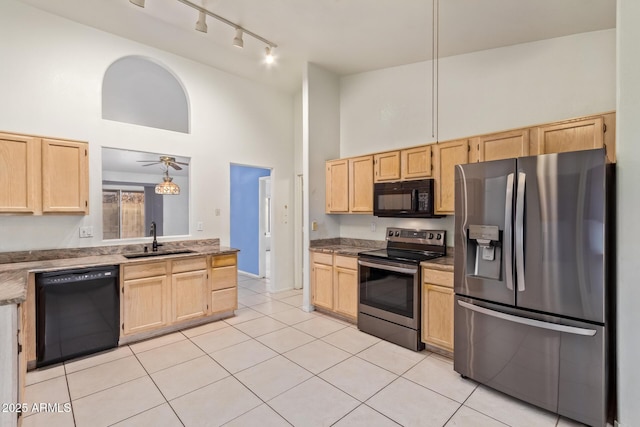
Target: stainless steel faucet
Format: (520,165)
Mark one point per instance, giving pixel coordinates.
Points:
(155,244)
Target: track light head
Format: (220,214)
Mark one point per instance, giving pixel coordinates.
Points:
(237,40)
(201,23)
(269,58)
(138,2)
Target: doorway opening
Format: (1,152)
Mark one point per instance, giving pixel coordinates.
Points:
(251,219)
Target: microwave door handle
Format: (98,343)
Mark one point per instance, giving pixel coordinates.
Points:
(519,242)
(508,233)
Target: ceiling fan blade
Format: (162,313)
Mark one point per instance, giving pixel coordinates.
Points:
(182,163)
(151,164)
(148,161)
(175,166)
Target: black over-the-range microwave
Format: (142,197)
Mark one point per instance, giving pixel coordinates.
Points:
(408,199)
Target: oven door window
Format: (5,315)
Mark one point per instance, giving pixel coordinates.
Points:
(387,290)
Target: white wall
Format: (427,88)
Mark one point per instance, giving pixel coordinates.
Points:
(482,92)
(628,177)
(320,142)
(52,70)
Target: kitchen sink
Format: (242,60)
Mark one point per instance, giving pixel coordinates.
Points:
(159,253)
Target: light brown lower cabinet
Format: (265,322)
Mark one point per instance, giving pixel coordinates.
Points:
(334,283)
(145,304)
(162,293)
(437,308)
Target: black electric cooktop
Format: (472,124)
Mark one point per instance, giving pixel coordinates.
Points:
(401,255)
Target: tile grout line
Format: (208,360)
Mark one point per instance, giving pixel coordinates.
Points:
(158,388)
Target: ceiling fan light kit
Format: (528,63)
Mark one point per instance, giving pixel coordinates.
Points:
(201,25)
(167,187)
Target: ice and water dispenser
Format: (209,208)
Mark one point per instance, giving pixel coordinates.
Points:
(484,251)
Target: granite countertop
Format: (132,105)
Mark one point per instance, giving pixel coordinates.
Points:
(345,246)
(13,275)
(345,250)
(445,263)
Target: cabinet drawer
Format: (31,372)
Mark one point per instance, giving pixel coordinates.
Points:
(148,269)
(437,277)
(322,258)
(224,300)
(223,277)
(223,260)
(189,264)
(346,262)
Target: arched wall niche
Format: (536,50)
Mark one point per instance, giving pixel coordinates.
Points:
(140,91)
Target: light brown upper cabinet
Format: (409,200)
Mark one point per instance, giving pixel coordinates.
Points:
(42,175)
(19,173)
(503,145)
(337,186)
(361,184)
(446,156)
(570,136)
(415,163)
(386,166)
(65,177)
(349,185)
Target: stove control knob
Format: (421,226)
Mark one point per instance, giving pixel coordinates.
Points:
(430,235)
(390,233)
(439,236)
(397,233)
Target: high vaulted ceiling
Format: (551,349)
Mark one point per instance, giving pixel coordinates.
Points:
(343,36)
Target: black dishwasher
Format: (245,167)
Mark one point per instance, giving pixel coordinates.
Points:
(77,313)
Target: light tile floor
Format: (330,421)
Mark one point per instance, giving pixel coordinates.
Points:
(271,365)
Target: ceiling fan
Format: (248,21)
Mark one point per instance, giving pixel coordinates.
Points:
(165,160)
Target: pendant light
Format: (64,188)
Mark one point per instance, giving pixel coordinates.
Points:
(167,187)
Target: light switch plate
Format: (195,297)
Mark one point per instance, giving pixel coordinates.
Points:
(199,226)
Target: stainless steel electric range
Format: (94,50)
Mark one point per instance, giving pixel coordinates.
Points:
(390,285)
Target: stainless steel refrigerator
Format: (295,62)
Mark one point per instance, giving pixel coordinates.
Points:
(534,301)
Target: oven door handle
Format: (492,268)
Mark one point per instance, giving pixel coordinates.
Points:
(388,267)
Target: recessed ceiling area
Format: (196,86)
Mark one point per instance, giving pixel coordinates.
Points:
(343,36)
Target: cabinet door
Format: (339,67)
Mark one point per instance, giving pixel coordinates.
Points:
(416,163)
(571,136)
(337,186)
(504,145)
(346,291)
(361,184)
(386,166)
(65,177)
(19,173)
(145,304)
(437,316)
(322,286)
(447,155)
(189,294)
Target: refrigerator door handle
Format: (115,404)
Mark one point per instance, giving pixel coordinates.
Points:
(519,241)
(508,233)
(529,322)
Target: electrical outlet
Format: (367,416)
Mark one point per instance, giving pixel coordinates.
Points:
(86,232)
(314,226)
(373,226)
(217,212)
(199,226)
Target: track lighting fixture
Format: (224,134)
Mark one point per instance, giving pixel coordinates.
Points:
(269,55)
(201,23)
(237,40)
